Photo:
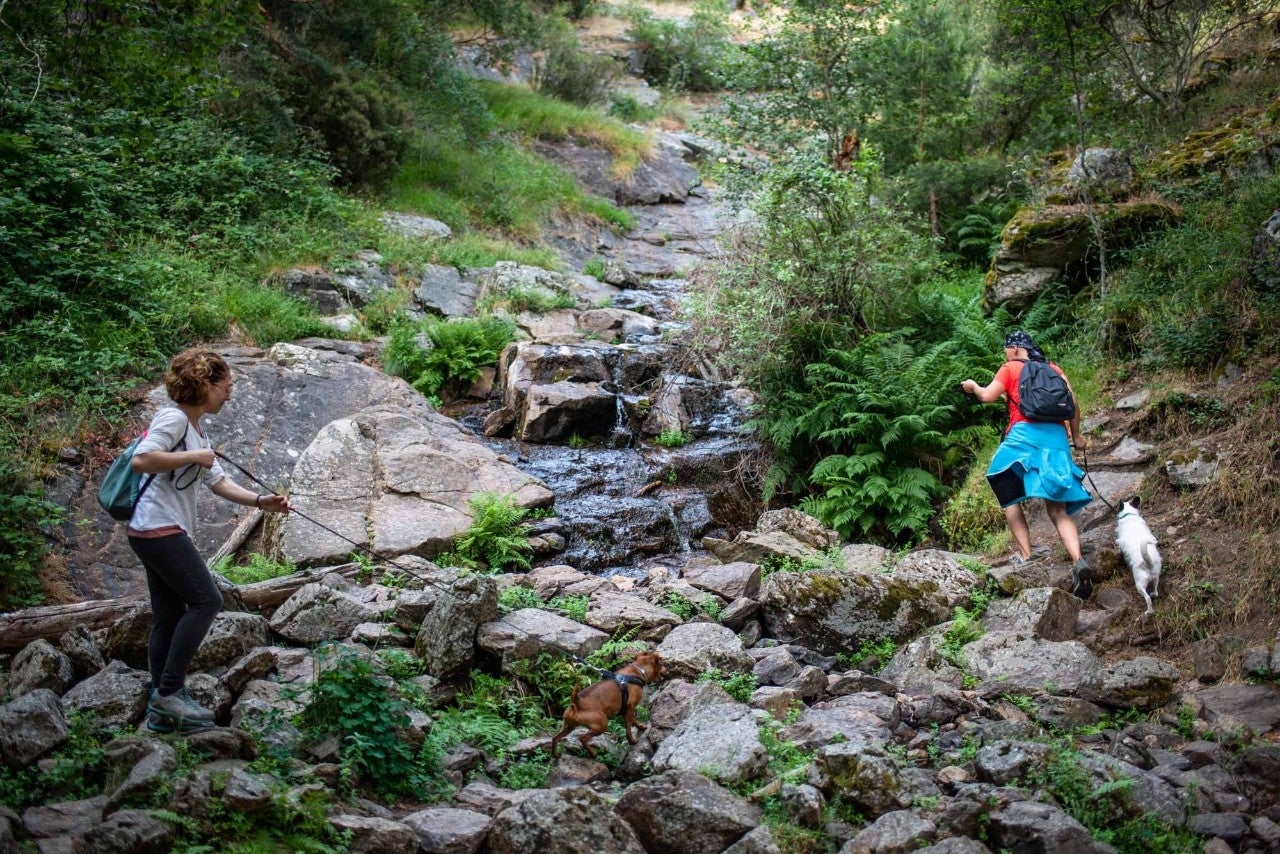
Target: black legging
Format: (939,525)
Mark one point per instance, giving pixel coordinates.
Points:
(184,601)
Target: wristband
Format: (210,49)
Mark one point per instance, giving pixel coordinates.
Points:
(257,501)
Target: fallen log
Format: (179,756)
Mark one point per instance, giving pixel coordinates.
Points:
(50,622)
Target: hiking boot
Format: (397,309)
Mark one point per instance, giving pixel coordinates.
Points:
(180,707)
(162,723)
(1018,561)
(1081,580)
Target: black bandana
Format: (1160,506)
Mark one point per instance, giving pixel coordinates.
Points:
(1023,340)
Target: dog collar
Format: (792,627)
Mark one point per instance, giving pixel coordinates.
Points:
(644,677)
(1124,513)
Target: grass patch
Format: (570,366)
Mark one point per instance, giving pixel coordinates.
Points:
(527,113)
(495,185)
(259,568)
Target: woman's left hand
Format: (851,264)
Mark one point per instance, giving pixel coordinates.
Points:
(275,503)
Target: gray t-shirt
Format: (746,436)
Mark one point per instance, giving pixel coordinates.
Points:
(171,497)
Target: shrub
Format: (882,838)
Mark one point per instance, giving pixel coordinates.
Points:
(517,598)
(459,350)
(692,56)
(360,119)
(594,267)
(496,538)
(568,73)
(348,699)
(739,686)
(672,439)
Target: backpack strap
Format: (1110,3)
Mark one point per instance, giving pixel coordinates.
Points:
(147,481)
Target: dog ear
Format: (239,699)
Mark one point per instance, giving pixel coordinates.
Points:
(1136,501)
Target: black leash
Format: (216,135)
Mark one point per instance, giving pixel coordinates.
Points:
(1084,457)
(606,674)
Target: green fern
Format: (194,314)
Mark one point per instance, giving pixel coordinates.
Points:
(458,351)
(496,537)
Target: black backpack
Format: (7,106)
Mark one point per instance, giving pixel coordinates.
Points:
(1043,394)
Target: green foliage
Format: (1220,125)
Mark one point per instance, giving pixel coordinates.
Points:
(1187,299)
(815,75)
(569,73)
(739,686)
(971,518)
(677,604)
(890,414)
(496,538)
(518,597)
(692,56)
(530,773)
(400,664)
(594,267)
(878,652)
(965,628)
(259,568)
(1105,808)
(23,514)
(360,119)
(573,607)
(74,771)
(622,646)
(672,439)
(459,349)
(349,699)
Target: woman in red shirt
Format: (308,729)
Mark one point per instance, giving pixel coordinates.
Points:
(1034,461)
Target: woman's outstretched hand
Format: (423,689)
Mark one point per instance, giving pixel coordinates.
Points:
(275,503)
(969,387)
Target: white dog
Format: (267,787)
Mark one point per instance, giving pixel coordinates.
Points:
(1138,545)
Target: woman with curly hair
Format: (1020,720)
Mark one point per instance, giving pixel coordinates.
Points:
(175,453)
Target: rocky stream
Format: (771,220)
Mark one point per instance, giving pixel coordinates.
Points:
(963,738)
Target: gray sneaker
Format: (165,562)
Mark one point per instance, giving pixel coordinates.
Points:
(179,706)
(1082,580)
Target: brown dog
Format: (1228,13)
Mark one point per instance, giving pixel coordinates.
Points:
(593,706)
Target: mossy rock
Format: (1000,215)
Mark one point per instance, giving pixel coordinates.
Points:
(1232,145)
(1057,235)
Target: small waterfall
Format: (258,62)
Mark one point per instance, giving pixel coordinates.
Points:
(620,436)
(682,539)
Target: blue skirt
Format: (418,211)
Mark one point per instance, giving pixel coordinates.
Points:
(1034,461)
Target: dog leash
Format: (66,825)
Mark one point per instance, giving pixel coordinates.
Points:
(604,673)
(1084,457)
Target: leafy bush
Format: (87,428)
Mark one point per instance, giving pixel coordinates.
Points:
(349,699)
(594,267)
(692,56)
(570,74)
(23,514)
(573,607)
(1187,300)
(672,439)
(496,538)
(517,598)
(459,350)
(401,664)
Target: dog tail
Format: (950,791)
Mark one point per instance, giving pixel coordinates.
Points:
(573,701)
(1151,555)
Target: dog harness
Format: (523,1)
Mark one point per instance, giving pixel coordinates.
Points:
(625,679)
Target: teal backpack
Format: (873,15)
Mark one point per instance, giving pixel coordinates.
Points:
(122,487)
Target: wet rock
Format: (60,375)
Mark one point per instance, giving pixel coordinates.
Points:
(557,411)
(683,812)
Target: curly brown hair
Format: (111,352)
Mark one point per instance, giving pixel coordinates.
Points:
(192,373)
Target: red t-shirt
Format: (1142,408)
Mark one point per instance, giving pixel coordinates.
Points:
(1008,375)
